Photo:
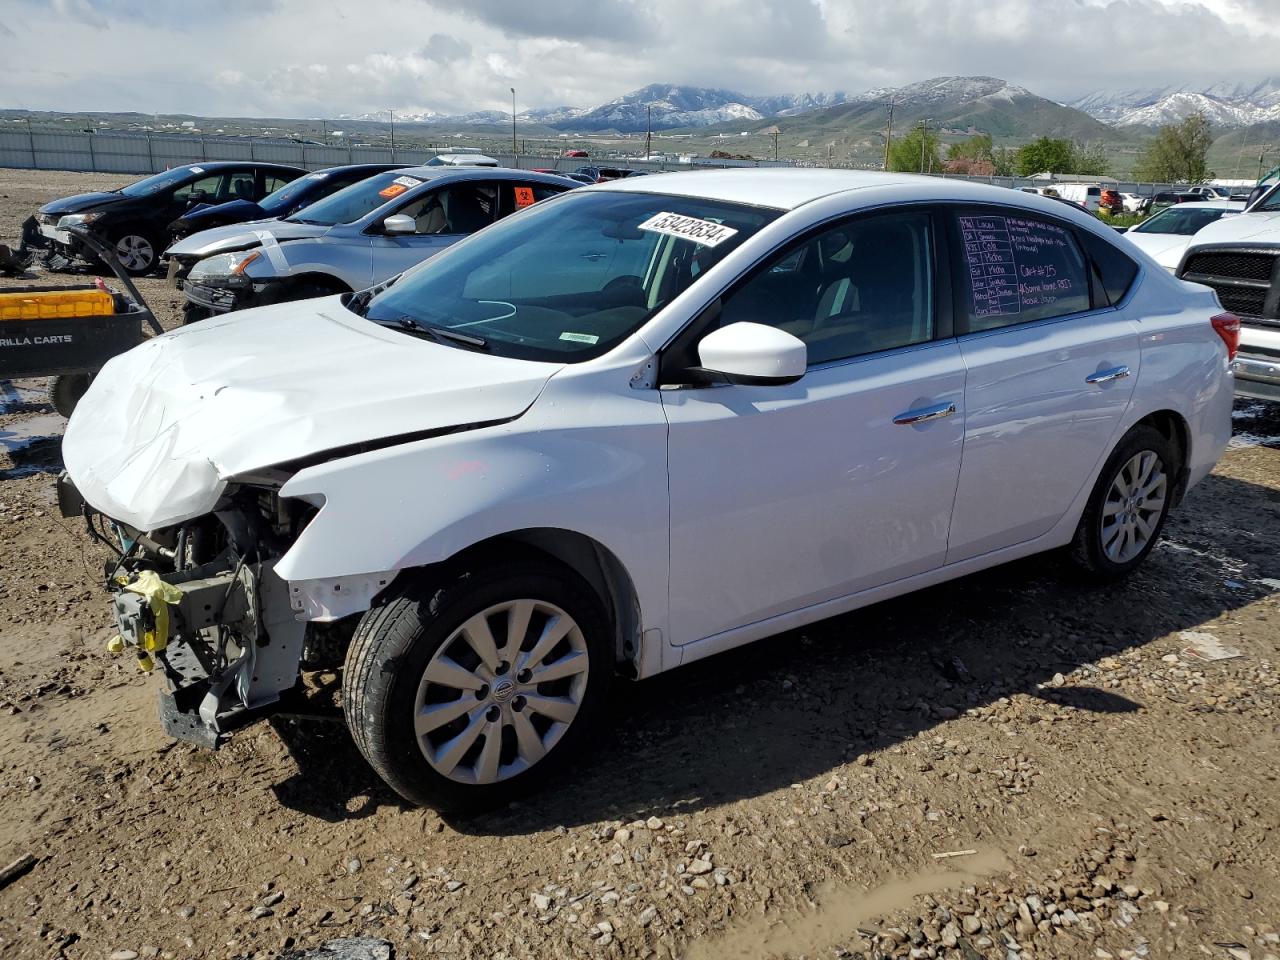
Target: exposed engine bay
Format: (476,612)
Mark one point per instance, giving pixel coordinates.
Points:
(202,602)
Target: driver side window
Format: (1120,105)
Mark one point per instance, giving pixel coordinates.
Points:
(464,208)
(205,189)
(861,287)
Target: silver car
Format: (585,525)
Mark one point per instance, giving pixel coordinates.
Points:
(350,240)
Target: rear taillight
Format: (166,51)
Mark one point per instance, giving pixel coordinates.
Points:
(1227,326)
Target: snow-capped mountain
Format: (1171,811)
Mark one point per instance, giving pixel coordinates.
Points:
(947,90)
(670,106)
(1226,104)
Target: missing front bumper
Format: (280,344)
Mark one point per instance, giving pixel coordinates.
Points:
(232,646)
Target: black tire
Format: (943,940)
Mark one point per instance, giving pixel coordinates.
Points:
(139,241)
(65,391)
(395,642)
(194,313)
(1088,550)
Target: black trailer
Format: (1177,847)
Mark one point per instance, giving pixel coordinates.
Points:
(71,350)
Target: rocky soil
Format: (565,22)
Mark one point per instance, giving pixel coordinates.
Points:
(1011,766)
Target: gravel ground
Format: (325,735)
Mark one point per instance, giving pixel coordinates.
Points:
(1104,792)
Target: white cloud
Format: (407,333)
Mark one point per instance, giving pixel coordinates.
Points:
(299,57)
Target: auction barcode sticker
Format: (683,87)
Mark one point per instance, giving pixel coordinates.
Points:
(704,232)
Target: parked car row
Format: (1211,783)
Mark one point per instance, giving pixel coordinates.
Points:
(627,428)
(351,239)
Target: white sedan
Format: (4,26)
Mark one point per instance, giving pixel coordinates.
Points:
(627,428)
(1166,235)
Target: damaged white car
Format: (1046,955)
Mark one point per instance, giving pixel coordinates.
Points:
(629,427)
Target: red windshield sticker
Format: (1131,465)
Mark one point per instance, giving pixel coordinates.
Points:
(525,197)
(394,190)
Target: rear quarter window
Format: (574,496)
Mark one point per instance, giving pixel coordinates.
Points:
(1115,269)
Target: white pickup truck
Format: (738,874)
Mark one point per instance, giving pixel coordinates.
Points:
(1239,257)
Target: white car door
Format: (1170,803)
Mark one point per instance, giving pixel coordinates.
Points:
(1051,368)
(783,497)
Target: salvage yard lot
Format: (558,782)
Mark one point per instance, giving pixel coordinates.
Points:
(1107,794)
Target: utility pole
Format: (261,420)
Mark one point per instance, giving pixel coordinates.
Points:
(514,148)
(924,128)
(648,130)
(393,135)
(888,137)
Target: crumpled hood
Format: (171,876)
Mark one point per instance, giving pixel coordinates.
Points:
(80,202)
(1241,228)
(242,236)
(164,426)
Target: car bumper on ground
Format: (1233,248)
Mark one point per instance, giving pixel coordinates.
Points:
(1257,377)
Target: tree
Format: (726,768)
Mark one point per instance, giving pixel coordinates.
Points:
(1177,153)
(977,148)
(1045,155)
(1005,161)
(1090,160)
(917,152)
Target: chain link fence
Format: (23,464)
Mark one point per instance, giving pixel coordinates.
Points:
(118,152)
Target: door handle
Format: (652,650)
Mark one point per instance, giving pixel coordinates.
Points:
(924,414)
(593,257)
(1106,376)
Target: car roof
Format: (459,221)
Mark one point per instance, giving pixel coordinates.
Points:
(375,167)
(1209,205)
(215,165)
(783,188)
(478,173)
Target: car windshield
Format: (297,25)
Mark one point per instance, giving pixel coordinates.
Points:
(1271,203)
(568,279)
(279,202)
(1181,221)
(351,203)
(160,182)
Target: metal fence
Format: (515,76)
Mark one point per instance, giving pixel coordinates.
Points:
(151,153)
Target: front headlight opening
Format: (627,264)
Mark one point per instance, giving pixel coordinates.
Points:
(224,265)
(77,220)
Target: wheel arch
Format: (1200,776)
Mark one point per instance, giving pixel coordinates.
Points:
(1173,427)
(584,555)
(329,282)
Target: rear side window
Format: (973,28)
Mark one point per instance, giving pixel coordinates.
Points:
(1018,269)
(1115,269)
(516,196)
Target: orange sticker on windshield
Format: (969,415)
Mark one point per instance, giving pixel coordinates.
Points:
(525,197)
(394,190)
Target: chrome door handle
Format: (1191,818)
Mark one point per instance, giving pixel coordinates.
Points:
(923,414)
(1106,376)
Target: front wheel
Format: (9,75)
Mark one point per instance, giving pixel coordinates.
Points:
(136,251)
(1128,507)
(463,695)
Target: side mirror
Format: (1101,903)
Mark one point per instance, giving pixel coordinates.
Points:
(752,354)
(1256,194)
(399,223)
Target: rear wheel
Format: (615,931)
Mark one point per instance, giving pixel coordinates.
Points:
(1128,507)
(465,694)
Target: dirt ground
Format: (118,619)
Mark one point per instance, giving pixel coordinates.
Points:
(1107,794)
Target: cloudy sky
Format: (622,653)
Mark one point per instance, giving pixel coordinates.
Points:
(324,58)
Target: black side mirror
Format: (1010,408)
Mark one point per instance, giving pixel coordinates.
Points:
(1256,194)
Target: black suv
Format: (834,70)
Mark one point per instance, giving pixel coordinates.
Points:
(135,218)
